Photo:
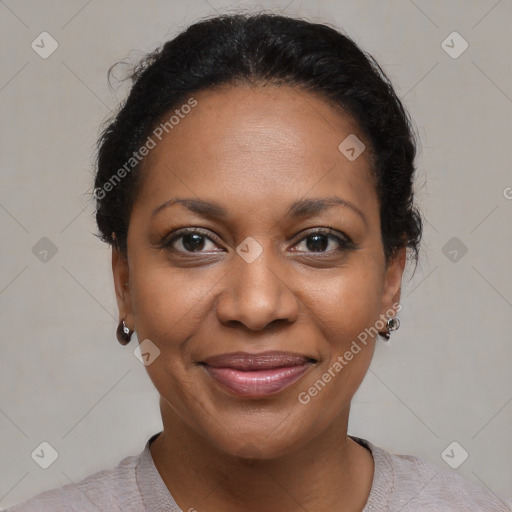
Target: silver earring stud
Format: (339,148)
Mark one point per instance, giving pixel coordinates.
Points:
(392,324)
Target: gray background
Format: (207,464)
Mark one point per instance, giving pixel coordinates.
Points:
(445,376)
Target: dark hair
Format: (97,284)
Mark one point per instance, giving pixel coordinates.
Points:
(262,48)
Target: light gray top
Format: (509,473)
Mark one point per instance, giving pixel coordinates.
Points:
(400,483)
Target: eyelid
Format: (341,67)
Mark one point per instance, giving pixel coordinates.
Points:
(168,239)
(166,242)
(344,241)
(325,231)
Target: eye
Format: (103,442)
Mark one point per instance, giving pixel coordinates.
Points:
(190,241)
(197,240)
(322,241)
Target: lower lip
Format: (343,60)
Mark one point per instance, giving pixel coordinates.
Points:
(258,383)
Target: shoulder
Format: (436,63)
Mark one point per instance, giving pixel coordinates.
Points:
(113,489)
(411,483)
(419,483)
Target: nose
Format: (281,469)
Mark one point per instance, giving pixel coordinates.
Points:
(257,293)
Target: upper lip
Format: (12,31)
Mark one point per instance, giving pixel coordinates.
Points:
(262,361)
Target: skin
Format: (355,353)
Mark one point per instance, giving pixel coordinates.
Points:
(255,151)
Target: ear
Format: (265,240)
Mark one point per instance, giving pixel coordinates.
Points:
(392,285)
(121,276)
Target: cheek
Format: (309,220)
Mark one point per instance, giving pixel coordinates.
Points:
(345,307)
(346,303)
(168,303)
(169,306)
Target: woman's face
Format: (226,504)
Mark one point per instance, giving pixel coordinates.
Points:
(285,255)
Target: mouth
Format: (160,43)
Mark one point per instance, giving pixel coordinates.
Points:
(252,375)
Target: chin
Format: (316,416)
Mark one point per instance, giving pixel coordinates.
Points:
(264,436)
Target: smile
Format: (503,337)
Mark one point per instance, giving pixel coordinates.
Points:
(257,375)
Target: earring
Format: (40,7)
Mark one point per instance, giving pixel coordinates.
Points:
(392,324)
(123,333)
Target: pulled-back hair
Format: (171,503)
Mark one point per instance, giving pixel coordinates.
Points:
(236,49)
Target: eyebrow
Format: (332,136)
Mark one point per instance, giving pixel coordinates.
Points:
(299,209)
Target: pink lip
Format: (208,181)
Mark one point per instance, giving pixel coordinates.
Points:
(257,375)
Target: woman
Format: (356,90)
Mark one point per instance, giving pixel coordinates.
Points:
(257,191)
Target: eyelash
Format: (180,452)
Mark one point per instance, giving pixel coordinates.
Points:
(344,241)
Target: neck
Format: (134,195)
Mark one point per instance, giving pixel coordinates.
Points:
(331,472)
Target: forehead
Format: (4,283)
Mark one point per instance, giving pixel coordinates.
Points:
(258,144)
